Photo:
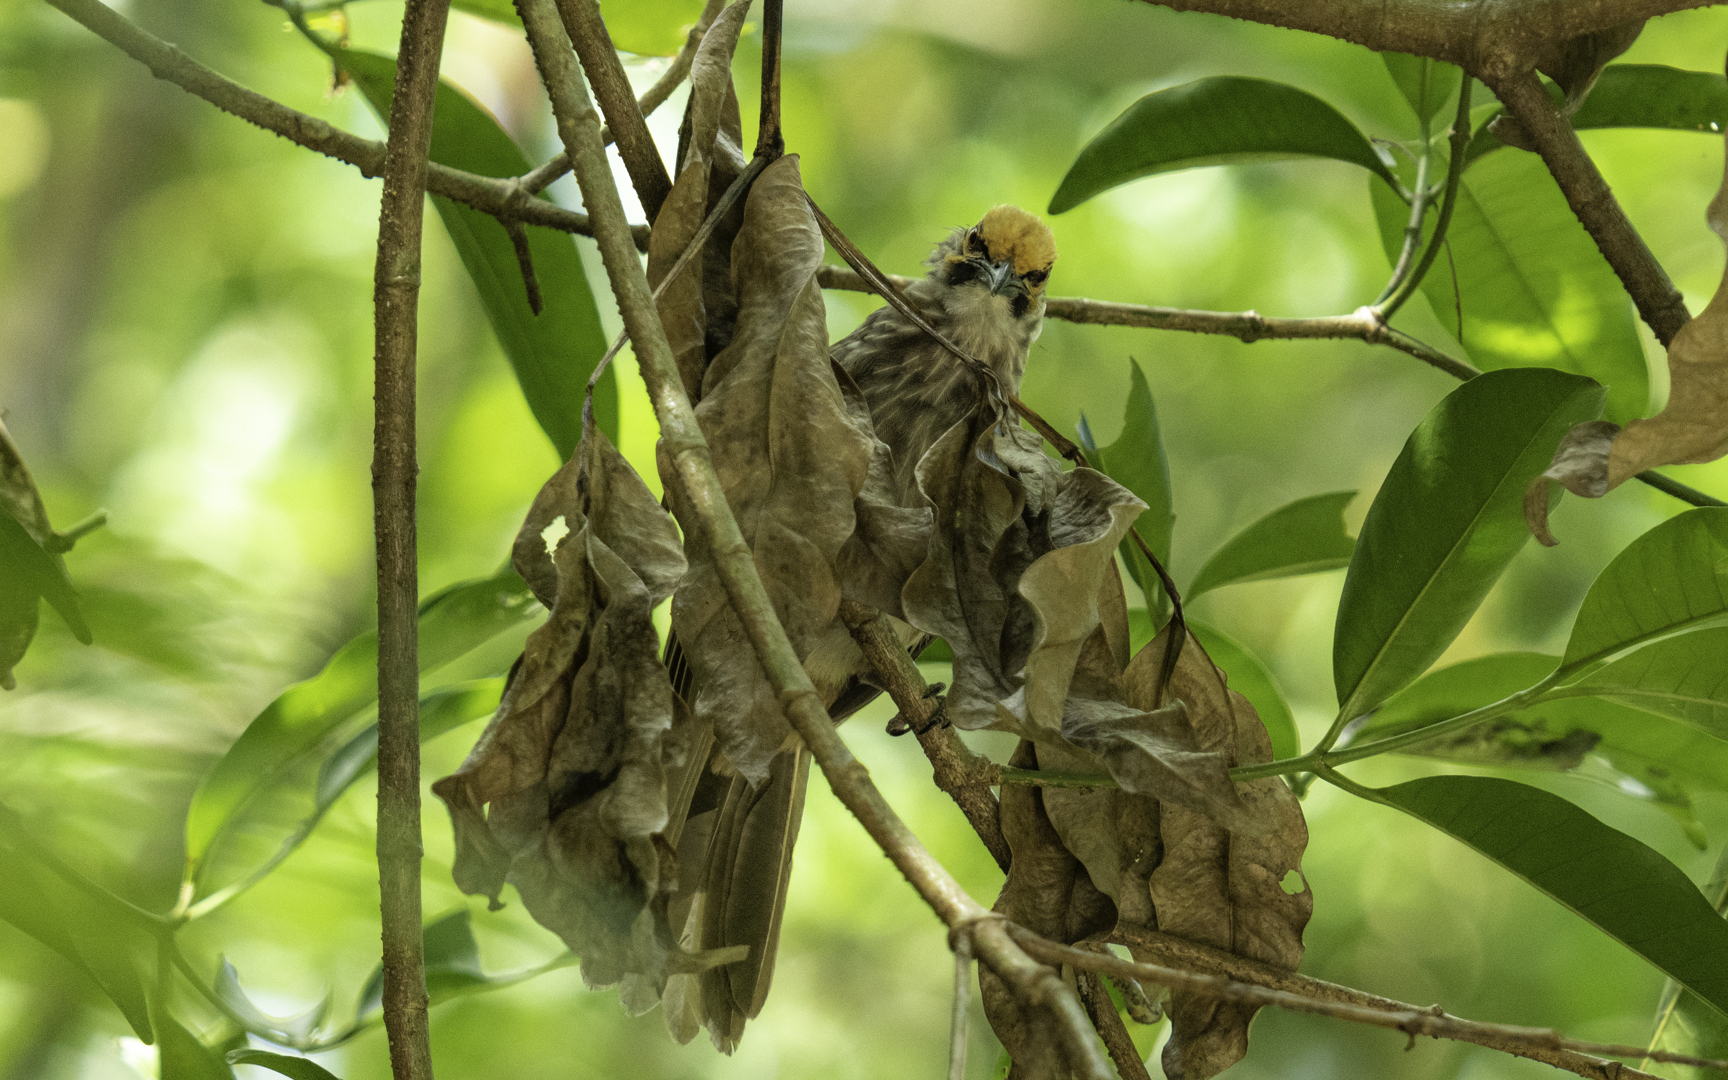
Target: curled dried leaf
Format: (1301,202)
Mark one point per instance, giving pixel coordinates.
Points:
(792,460)
(573,763)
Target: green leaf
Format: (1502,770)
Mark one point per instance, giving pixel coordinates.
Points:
(24,562)
(1446,522)
(1623,887)
(298,1027)
(1304,537)
(1669,761)
(1683,677)
(503,11)
(441,710)
(1668,580)
(1213,121)
(650,27)
(1685,1024)
(1136,460)
(181,1056)
(452,622)
(1253,680)
(298,1068)
(1533,288)
(553,353)
(452,964)
(1656,96)
(1426,84)
(99,940)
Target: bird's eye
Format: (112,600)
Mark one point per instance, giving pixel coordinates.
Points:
(1036,278)
(974,242)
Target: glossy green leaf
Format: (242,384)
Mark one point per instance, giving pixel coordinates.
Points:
(1446,522)
(1213,121)
(293,726)
(452,964)
(1246,675)
(1303,537)
(297,1068)
(1685,1024)
(1673,578)
(1533,289)
(98,940)
(553,353)
(1623,887)
(1648,757)
(1426,84)
(1684,677)
(1136,460)
(650,27)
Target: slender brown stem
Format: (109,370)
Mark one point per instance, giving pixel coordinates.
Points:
(1433,1022)
(1658,301)
(770,142)
(958,771)
(624,119)
(651,99)
(1108,1022)
(396,292)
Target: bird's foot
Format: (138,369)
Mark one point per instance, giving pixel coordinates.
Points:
(900,725)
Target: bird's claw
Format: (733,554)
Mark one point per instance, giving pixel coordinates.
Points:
(900,725)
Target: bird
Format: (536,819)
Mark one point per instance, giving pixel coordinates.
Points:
(984,291)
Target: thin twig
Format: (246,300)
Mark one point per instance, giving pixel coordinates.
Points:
(525,263)
(63,540)
(958,771)
(1108,1023)
(624,118)
(396,292)
(1245,326)
(1454,177)
(1413,228)
(770,142)
(1413,1021)
(1658,301)
(651,99)
(962,945)
(504,199)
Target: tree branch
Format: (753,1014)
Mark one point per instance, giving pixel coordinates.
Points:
(502,198)
(1481,36)
(1102,1011)
(612,88)
(1246,326)
(651,99)
(1659,302)
(710,522)
(1343,1003)
(958,770)
(396,293)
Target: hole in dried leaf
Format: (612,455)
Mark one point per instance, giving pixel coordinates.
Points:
(553,533)
(1293,882)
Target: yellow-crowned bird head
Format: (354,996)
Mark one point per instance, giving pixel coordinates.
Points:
(1008,254)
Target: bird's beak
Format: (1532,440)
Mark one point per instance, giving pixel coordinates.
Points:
(1000,277)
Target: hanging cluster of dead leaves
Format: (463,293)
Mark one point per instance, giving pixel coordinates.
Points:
(580,790)
(1598,456)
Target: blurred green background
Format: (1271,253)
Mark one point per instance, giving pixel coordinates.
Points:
(185,339)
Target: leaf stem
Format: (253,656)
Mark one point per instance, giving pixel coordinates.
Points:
(1413,230)
(1454,175)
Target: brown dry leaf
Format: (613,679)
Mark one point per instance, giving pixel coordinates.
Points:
(792,460)
(1046,892)
(890,540)
(573,762)
(1220,888)
(1593,459)
(1017,565)
(710,146)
